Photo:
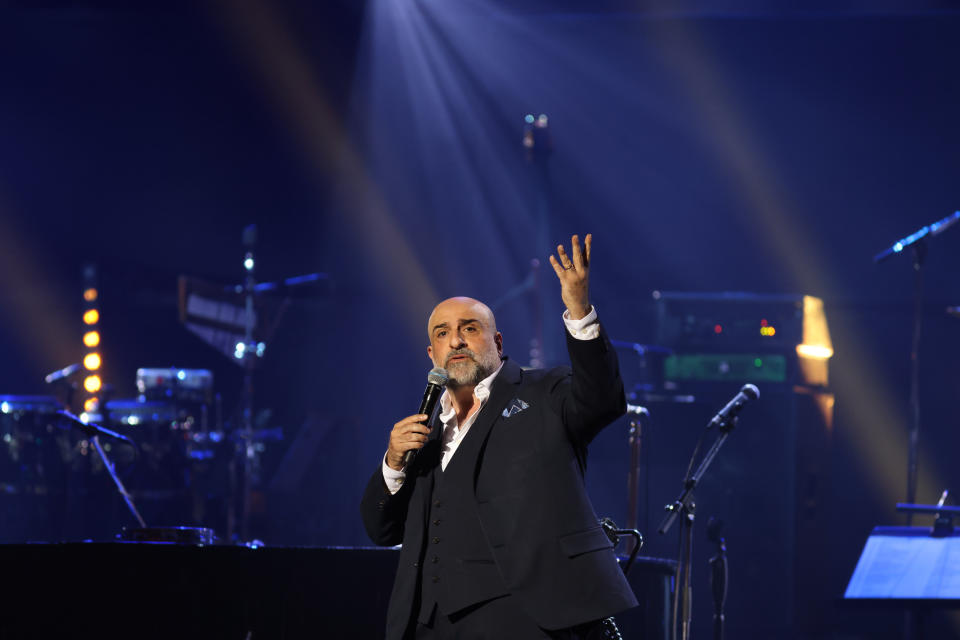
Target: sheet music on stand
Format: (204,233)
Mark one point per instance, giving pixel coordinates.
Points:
(907,563)
(911,563)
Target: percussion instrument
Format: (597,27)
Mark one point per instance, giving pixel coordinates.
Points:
(32,449)
(171,383)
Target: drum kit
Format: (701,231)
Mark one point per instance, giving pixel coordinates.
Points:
(169,448)
(33,455)
(180,459)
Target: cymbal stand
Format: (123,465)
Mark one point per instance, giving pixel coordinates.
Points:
(250,352)
(247,353)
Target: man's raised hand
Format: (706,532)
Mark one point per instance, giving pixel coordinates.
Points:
(574,275)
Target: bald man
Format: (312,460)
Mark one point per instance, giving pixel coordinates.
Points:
(500,540)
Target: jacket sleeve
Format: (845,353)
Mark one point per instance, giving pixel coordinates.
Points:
(384,513)
(592,395)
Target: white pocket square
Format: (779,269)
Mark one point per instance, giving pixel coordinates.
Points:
(516,406)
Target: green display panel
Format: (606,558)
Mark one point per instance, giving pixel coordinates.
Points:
(731,367)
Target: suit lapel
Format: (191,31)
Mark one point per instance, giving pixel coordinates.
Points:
(504,389)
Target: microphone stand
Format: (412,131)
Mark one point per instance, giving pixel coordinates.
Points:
(531,283)
(919,253)
(684,507)
(111,469)
(638,423)
(538,148)
(916,241)
(718,575)
(93,433)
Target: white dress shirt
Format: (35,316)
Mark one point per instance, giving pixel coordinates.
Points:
(586,328)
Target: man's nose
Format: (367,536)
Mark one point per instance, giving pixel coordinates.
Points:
(456,340)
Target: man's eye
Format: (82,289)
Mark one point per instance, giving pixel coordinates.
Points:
(471,329)
(440,334)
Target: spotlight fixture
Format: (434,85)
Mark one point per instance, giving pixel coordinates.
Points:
(92,360)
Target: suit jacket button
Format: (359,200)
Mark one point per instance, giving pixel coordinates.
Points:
(435,579)
(436,503)
(416,564)
(435,559)
(436,522)
(435,541)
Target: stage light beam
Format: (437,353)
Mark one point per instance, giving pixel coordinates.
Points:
(271,49)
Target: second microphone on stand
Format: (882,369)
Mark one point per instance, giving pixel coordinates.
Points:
(729,413)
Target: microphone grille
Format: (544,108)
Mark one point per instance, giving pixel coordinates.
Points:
(751,391)
(438,376)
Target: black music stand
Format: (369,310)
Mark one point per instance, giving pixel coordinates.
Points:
(910,568)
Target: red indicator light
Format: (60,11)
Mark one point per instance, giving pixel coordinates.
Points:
(717,329)
(763,322)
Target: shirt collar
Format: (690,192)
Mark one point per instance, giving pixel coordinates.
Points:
(482,391)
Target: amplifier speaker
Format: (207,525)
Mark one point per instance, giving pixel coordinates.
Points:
(769,485)
(652,582)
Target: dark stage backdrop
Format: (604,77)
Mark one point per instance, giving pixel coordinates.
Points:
(716,148)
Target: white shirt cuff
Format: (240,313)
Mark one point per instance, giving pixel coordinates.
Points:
(393,478)
(586,328)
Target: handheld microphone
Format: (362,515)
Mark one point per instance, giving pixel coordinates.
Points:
(729,412)
(436,381)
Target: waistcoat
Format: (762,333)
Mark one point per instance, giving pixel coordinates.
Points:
(457,568)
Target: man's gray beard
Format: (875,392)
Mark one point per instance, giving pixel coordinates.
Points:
(469,373)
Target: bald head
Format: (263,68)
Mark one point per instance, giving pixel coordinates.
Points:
(464,340)
(462,307)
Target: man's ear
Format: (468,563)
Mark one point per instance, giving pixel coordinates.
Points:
(430,352)
(498,338)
